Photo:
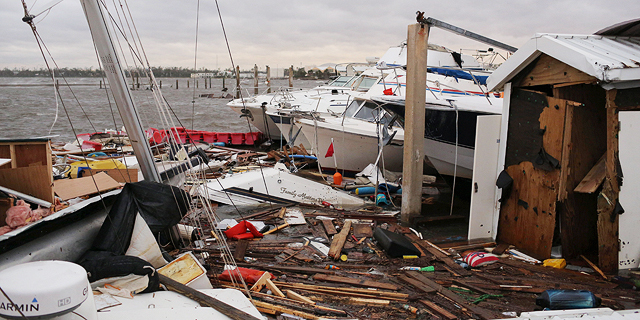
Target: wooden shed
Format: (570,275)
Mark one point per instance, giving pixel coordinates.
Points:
(569,141)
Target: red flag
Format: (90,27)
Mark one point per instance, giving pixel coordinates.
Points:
(329,151)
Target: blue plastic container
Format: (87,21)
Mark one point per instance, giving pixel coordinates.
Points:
(568,299)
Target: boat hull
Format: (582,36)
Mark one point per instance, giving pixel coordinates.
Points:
(353,151)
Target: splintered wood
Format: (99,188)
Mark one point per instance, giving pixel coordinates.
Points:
(359,280)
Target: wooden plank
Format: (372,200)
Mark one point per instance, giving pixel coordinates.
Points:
(34,181)
(355,282)
(439,255)
(274,289)
(367,291)
(417,284)
(481,312)
(593,179)
(338,241)
(439,310)
(70,188)
(276,228)
(273,309)
(241,249)
(328,226)
(306,270)
(205,300)
(548,70)
(120,175)
(594,267)
(608,226)
(362,230)
(298,297)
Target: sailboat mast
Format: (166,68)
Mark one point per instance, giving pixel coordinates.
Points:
(118,85)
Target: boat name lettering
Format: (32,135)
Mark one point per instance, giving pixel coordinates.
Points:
(295,194)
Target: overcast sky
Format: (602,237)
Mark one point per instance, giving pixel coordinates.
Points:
(299,33)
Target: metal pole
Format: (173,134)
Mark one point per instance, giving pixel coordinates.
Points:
(119,89)
(413,153)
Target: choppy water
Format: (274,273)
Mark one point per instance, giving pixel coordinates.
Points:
(29,107)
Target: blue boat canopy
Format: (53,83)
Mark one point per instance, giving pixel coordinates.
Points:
(459,74)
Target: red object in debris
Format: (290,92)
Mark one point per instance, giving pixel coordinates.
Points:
(237,138)
(250,276)
(388,92)
(250,138)
(223,137)
(243,236)
(243,230)
(97,146)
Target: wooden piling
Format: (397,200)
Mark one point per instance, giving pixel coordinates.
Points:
(237,82)
(160,84)
(291,76)
(176,83)
(268,79)
(224,78)
(255,79)
(100,84)
(417,42)
(197,84)
(187,83)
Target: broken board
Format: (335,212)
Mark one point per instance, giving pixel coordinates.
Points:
(71,188)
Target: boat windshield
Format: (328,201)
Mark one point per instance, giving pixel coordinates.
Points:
(342,81)
(365,83)
(352,108)
(369,112)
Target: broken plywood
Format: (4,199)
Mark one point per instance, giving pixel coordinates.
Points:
(71,188)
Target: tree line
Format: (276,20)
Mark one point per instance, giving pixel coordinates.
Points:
(164,72)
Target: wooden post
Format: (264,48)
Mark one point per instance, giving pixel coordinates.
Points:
(176,83)
(224,78)
(100,84)
(237,82)
(160,84)
(268,79)
(291,77)
(417,41)
(138,82)
(255,79)
(187,83)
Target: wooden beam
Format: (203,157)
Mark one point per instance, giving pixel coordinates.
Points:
(241,249)
(355,282)
(328,226)
(338,241)
(594,178)
(274,309)
(548,70)
(439,310)
(298,297)
(369,291)
(481,312)
(608,228)
(417,284)
(413,153)
(205,300)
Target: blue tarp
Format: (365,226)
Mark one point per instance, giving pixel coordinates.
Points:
(458,74)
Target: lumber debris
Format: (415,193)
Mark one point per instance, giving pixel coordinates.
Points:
(338,241)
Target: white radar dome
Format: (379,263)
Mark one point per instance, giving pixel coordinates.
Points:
(42,289)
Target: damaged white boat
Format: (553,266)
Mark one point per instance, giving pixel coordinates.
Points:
(273,185)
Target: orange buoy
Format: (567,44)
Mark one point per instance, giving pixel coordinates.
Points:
(337,178)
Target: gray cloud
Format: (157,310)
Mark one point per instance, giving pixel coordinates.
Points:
(282,33)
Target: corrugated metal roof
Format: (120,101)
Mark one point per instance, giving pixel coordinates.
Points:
(610,59)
